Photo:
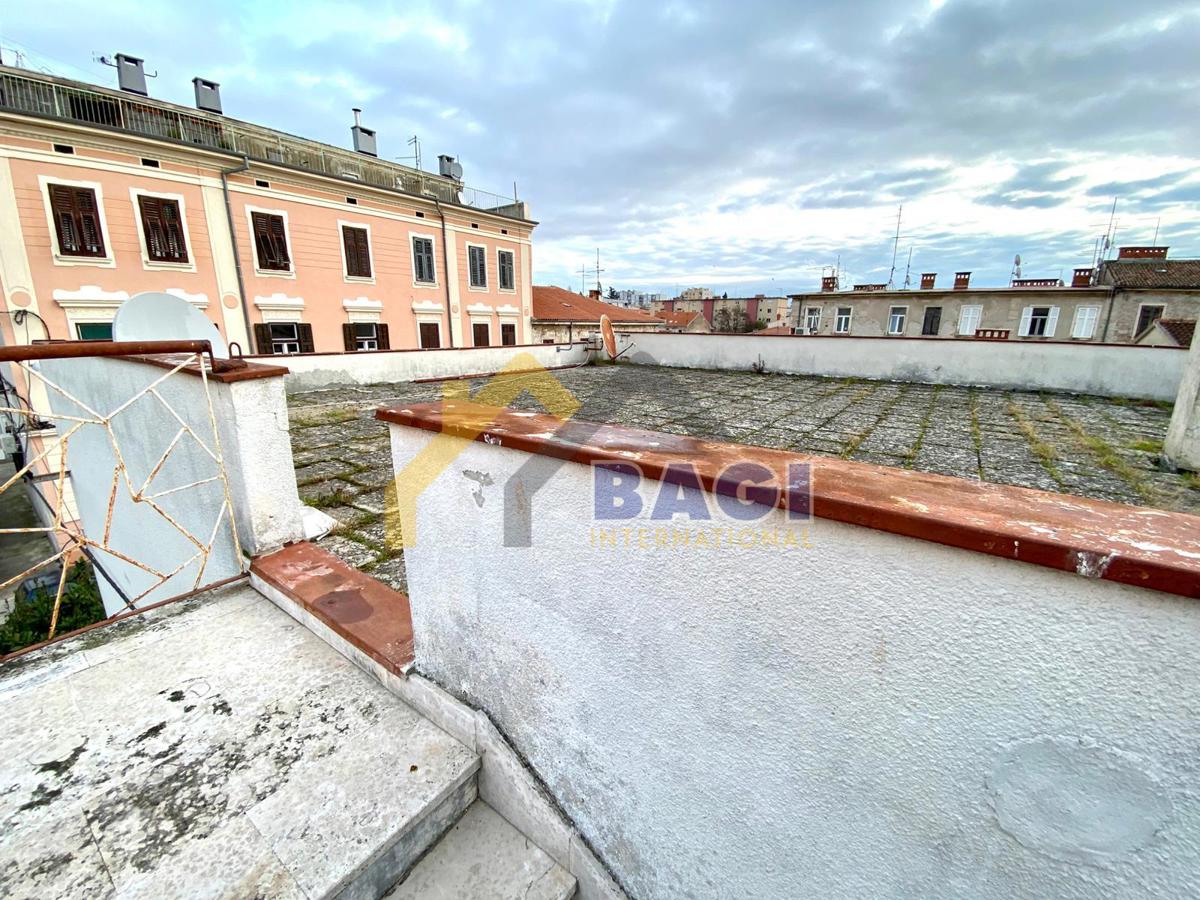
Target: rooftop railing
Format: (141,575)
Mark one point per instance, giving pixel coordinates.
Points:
(49,97)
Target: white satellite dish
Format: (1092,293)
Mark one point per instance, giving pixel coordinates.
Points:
(154,316)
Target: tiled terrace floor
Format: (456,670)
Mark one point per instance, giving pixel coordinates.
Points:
(1092,446)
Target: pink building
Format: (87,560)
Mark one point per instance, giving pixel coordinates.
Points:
(288,245)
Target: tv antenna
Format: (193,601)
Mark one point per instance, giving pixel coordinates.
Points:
(415,143)
(908,270)
(1016,270)
(597,271)
(895,249)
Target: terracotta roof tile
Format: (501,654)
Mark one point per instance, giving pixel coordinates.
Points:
(555,304)
(1180,331)
(678,318)
(1152,273)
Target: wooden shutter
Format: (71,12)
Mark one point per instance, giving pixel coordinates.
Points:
(270,239)
(506,270)
(477,258)
(1052,322)
(163,229)
(348,340)
(262,339)
(76,221)
(1026,321)
(358,252)
(381,336)
(304,333)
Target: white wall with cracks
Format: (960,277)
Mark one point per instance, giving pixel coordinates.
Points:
(1152,373)
(865,715)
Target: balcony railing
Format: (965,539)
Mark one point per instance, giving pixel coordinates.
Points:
(43,95)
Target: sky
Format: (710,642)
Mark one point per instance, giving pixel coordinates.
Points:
(739,146)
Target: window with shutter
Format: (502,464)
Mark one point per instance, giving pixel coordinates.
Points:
(162,227)
(477,260)
(76,221)
(504,262)
(270,242)
(969,319)
(423,268)
(481,334)
(357,246)
(508,334)
(430,334)
(1084,327)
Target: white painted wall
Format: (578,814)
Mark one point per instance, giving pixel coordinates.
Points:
(320,370)
(1111,371)
(1182,445)
(252,418)
(873,716)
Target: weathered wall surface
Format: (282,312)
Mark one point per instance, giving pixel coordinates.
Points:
(309,372)
(866,716)
(1182,445)
(1144,372)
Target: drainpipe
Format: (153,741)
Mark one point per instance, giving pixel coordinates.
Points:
(1112,299)
(446,272)
(237,256)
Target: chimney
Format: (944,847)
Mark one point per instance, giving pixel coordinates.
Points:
(594,294)
(449,168)
(962,281)
(364,138)
(927,280)
(208,94)
(829,283)
(130,75)
(1082,278)
(1142,253)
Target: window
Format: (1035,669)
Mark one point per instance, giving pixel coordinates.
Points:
(76,221)
(150,163)
(423,270)
(1084,326)
(258,182)
(284,337)
(94,331)
(477,263)
(897,318)
(356,244)
(508,334)
(932,322)
(812,319)
(1147,316)
(842,324)
(64,148)
(430,334)
(162,227)
(504,262)
(365,336)
(1039,321)
(968,320)
(270,242)
(481,334)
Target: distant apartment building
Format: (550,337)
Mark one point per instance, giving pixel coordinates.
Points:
(730,313)
(695,293)
(286,244)
(685,321)
(562,316)
(1121,303)
(629,299)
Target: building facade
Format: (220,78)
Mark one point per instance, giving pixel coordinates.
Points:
(730,313)
(287,245)
(1119,304)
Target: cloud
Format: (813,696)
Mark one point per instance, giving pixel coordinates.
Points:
(747,146)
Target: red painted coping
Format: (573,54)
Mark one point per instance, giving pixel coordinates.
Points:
(365,612)
(1149,548)
(227,371)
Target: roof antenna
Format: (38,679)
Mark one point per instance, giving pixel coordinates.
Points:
(895,249)
(908,270)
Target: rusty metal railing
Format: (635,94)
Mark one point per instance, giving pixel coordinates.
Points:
(50,466)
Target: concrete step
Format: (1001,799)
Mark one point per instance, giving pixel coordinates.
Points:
(484,857)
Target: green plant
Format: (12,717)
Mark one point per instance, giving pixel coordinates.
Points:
(29,622)
(1147,446)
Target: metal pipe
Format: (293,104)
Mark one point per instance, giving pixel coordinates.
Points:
(237,256)
(446,250)
(78,349)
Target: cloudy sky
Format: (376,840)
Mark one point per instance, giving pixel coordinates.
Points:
(741,145)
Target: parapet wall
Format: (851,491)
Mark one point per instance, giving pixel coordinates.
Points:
(311,371)
(931,687)
(1108,370)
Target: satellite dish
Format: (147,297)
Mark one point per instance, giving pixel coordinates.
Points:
(610,339)
(154,316)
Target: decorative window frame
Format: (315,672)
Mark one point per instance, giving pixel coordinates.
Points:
(500,288)
(280,308)
(412,257)
(287,236)
(473,288)
(108,260)
(430,320)
(362,311)
(346,277)
(90,305)
(154,265)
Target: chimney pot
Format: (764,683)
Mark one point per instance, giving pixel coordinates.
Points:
(130,74)
(829,283)
(927,280)
(364,138)
(208,94)
(962,281)
(1142,253)
(1082,277)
